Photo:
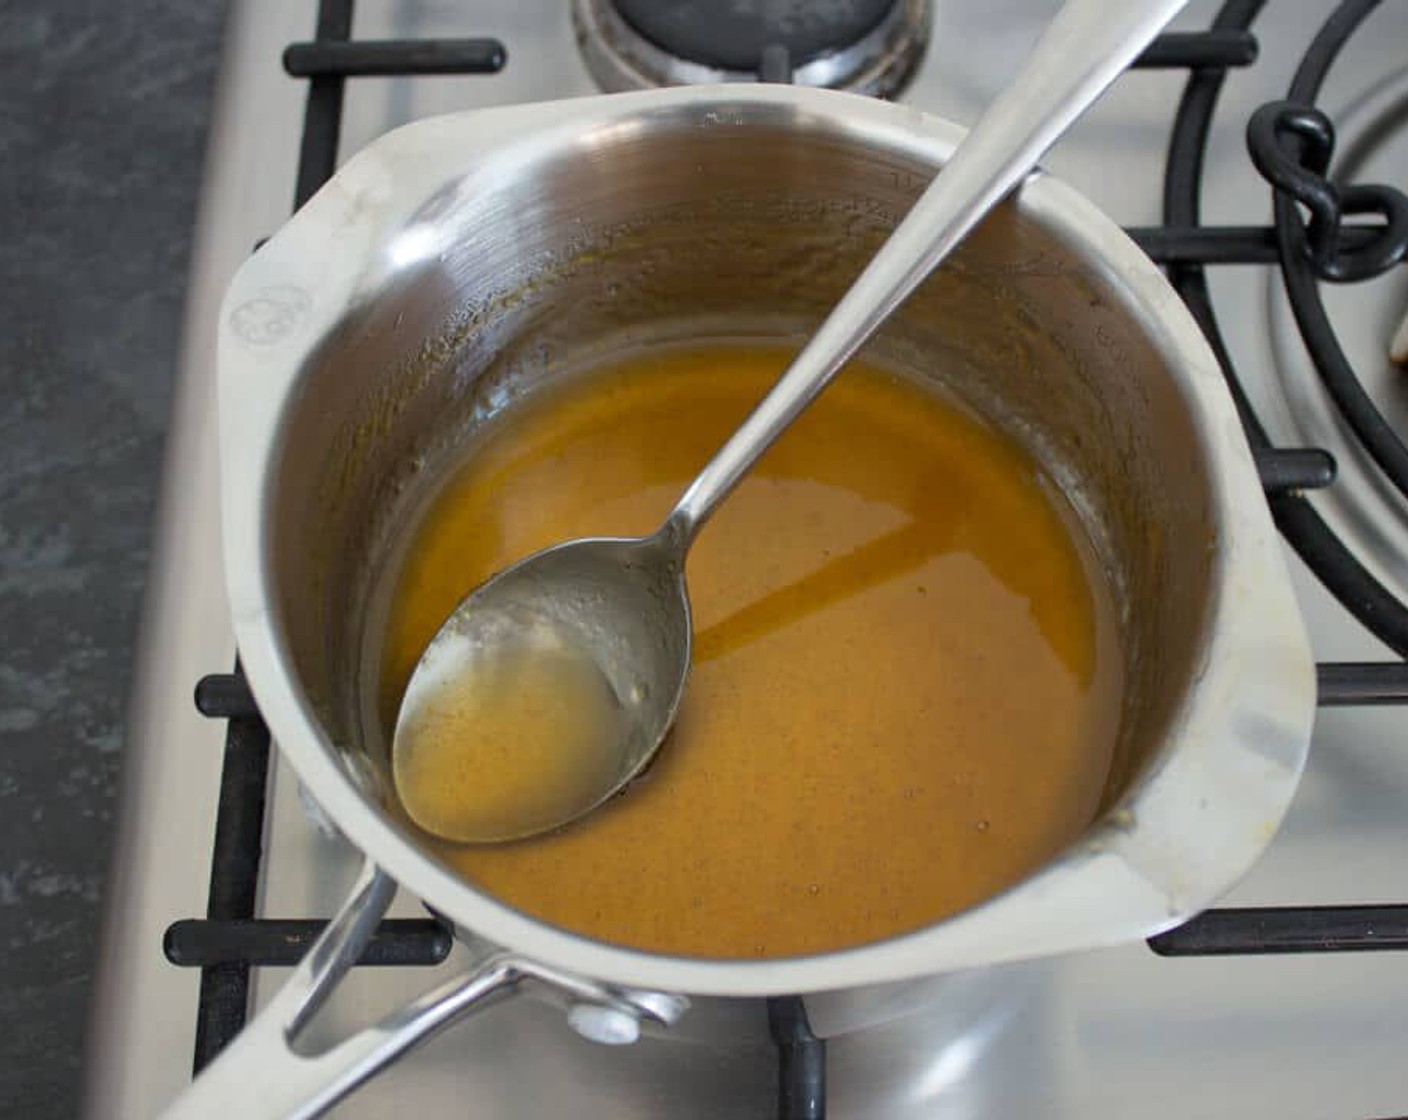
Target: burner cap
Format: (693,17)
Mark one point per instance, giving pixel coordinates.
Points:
(866,46)
(734,36)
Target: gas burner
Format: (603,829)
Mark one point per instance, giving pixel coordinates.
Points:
(864,46)
(1099,1033)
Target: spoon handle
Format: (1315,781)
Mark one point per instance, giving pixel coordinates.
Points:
(1083,50)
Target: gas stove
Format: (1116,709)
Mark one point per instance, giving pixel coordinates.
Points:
(1274,1004)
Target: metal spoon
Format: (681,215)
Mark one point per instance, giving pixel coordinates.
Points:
(620,607)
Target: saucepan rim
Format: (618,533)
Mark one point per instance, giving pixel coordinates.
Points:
(1187,830)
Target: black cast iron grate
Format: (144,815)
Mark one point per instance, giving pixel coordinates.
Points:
(1290,141)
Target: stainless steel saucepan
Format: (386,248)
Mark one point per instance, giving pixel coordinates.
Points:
(463,262)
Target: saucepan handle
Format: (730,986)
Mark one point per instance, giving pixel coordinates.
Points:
(261,1073)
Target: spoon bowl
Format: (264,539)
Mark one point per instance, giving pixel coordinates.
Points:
(619,604)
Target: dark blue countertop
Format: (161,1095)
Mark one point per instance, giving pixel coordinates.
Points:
(103,113)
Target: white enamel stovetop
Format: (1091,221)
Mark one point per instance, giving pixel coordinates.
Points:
(1109,1034)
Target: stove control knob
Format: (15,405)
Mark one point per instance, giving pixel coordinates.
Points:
(611,1026)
